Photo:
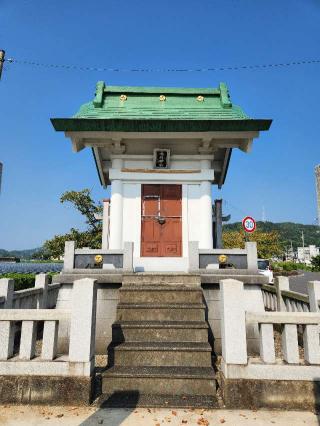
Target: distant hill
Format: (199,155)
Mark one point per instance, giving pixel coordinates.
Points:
(288,231)
(22,254)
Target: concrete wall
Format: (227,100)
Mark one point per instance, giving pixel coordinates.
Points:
(107,300)
(253,302)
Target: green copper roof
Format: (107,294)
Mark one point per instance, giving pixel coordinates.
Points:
(146,103)
(116,108)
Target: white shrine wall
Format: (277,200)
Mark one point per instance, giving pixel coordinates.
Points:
(125,214)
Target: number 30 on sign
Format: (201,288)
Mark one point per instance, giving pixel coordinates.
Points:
(249,224)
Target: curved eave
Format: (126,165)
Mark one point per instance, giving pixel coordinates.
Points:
(157,125)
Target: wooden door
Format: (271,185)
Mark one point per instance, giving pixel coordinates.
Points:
(161,221)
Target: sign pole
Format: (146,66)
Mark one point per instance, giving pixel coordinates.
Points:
(2,55)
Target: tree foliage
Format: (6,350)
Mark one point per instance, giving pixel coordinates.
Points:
(83,202)
(288,232)
(268,243)
(91,237)
(315,263)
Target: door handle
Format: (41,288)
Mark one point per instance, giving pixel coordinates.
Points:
(161,220)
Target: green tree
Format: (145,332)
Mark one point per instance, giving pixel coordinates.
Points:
(91,237)
(268,243)
(315,262)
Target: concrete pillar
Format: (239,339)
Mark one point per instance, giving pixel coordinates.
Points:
(7,332)
(68,262)
(116,215)
(193,256)
(290,348)
(311,344)
(105,224)
(7,291)
(83,320)
(50,339)
(233,322)
(28,340)
(314,295)
(281,283)
(42,281)
(252,256)
(205,216)
(128,256)
(267,351)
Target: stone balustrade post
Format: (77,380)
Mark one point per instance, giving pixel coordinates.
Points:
(128,256)
(233,322)
(281,283)
(252,256)
(7,291)
(83,321)
(42,282)
(69,248)
(193,256)
(314,295)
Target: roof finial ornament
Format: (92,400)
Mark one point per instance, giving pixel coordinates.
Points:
(98,99)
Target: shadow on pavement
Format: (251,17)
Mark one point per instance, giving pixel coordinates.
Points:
(111,411)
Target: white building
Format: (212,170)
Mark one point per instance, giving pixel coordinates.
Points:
(305,254)
(161,150)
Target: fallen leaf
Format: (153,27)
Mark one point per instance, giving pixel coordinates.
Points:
(222,421)
(59,415)
(184,421)
(174,413)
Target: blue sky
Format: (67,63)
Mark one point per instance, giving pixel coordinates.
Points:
(38,162)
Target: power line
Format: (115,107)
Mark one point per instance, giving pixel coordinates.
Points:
(210,69)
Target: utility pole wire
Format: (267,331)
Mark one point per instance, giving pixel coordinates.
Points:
(2,56)
(179,70)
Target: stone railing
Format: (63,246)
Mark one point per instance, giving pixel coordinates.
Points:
(36,355)
(42,295)
(86,258)
(279,297)
(208,259)
(286,364)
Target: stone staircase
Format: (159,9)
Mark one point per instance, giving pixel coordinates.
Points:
(160,355)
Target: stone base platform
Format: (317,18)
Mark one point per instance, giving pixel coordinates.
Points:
(47,390)
(270,394)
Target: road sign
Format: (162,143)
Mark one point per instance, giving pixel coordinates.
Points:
(249,224)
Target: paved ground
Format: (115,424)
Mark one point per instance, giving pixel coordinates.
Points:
(38,416)
(299,282)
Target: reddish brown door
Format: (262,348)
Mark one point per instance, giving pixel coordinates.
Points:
(161,224)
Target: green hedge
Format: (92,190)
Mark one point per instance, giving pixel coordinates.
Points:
(289,266)
(23,281)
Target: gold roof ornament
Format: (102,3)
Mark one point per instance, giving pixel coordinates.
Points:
(162,97)
(98,259)
(223,258)
(200,98)
(123,97)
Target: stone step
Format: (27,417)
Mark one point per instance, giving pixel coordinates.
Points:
(161,312)
(135,399)
(155,354)
(160,380)
(192,280)
(159,331)
(160,294)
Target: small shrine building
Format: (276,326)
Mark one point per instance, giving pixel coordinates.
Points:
(161,149)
